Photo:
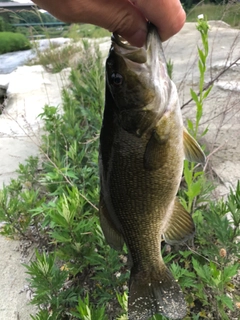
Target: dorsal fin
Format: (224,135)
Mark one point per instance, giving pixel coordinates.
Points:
(193,152)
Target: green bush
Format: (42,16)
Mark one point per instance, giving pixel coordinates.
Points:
(13,42)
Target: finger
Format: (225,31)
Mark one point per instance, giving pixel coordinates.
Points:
(115,15)
(167,15)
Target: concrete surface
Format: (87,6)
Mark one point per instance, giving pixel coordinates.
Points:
(14,293)
(29,89)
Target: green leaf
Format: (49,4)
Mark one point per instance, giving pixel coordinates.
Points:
(183,203)
(187,173)
(201,67)
(230,271)
(215,272)
(226,300)
(71,174)
(206,93)
(185,254)
(190,125)
(204,132)
(202,271)
(194,95)
(196,188)
(201,56)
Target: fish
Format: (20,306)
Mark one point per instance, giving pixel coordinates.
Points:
(143,144)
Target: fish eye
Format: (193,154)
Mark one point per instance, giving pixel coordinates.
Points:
(116,79)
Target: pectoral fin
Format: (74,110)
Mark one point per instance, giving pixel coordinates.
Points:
(113,237)
(155,152)
(181,226)
(192,150)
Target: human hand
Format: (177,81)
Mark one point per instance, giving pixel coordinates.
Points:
(126,18)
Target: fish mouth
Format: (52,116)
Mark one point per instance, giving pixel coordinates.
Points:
(124,49)
(147,53)
(147,64)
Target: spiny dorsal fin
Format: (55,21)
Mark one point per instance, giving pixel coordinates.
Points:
(113,237)
(181,226)
(192,150)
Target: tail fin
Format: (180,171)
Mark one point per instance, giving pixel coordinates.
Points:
(155,292)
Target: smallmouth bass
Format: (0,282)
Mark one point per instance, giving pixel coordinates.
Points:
(142,147)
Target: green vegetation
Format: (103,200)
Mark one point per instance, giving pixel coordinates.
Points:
(88,31)
(5,26)
(195,181)
(13,42)
(55,205)
(229,13)
(56,58)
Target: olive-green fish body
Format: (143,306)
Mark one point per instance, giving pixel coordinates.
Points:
(142,148)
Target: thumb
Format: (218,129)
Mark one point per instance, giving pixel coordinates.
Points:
(119,16)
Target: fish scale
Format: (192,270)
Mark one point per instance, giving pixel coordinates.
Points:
(131,202)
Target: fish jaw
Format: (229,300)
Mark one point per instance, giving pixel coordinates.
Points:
(164,87)
(146,92)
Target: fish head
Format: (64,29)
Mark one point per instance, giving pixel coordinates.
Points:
(138,81)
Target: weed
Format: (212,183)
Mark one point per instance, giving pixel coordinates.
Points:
(55,58)
(196,184)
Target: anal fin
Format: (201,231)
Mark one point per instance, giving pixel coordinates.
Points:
(180,227)
(113,237)
(193,152)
